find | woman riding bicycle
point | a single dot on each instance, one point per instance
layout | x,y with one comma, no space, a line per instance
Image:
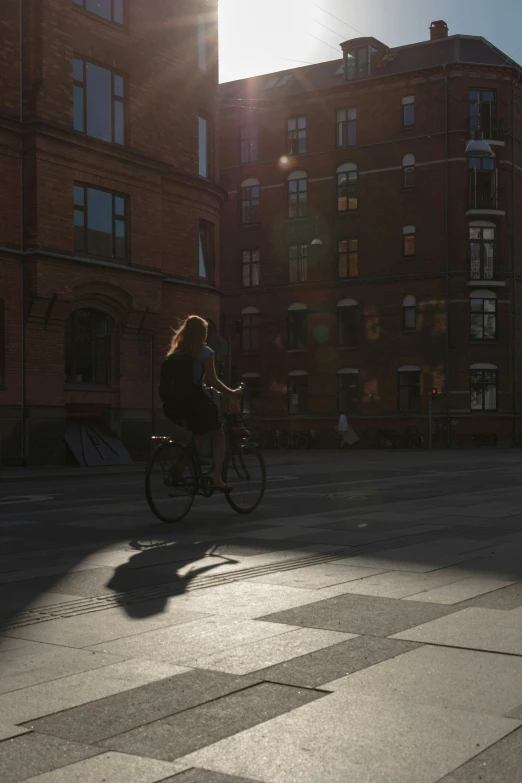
185,400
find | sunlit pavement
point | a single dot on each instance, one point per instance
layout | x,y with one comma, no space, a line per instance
363,625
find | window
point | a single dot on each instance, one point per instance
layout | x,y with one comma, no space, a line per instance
483,387
408,111
483,191
297,194
409,390
298,263
348,257
249,138
100,222
205,249
409,313
203,147
252,393
483,113
296,137
482,251
250,268
347,323
249,201
408,172
98,102
408,241
250,330
2,344
359,62
347,187
297,327
278,81
346,127
202,43
483,315
112,10
87,347
347,390
297,386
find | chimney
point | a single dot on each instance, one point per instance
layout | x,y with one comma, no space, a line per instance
438,30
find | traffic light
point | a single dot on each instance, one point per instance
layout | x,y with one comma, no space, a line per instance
434,393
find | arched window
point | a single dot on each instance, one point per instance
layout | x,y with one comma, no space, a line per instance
87,347
250,330
409,392
297,194
348,323
483,315
249,190
297,387
408,241
409,312
408,172
347,389
297,326
347,187
252,393
482,250
483,381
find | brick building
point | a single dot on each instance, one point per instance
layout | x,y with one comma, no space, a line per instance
109,211
415,284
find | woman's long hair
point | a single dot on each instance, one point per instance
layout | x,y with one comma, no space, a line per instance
190,338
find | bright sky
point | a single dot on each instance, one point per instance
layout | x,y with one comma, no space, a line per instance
260,36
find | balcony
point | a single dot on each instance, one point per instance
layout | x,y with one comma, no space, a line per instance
492,128
485,200
488,270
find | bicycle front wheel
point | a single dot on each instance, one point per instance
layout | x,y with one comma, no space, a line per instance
301,441
171,481
284,441
245,470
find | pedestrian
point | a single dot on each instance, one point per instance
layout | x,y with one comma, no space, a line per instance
348,436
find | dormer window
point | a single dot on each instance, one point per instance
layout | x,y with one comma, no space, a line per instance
361,56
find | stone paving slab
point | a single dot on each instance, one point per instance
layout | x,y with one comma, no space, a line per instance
206,776
478,629
33,754
198,640
9,730
98,720
399,584
500,763
250,658
27,666
460,591
416,743
195,728
458,679
507,598
38,700
110,767
314,669
86,630
317,576
25,599
420,558
360,614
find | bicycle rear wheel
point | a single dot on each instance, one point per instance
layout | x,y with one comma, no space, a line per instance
171,481
245,470
301,441
284,441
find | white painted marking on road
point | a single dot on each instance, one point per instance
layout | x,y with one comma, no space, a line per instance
25,499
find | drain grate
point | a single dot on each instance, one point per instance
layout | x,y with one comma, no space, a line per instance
82,606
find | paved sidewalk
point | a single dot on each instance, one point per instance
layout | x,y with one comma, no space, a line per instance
379,643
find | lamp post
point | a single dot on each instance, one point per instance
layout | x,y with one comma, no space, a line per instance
477,147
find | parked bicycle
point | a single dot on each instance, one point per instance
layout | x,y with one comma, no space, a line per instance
291,440
413,438
175,475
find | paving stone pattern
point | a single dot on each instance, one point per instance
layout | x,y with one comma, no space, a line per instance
369,632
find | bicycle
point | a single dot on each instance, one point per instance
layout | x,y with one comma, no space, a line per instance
174,476
294,440
413,438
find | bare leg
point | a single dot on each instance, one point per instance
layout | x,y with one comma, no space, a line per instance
218,441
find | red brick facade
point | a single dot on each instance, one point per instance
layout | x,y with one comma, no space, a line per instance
44,278
439,77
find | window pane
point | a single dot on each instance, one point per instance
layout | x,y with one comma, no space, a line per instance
476,331
99,102
490,305
352,134
77,70
79,195
78,118
490,398
341,115
409,317
292,124
202,44
301,122
99,227
118,85
409,245
476,305
79,230
255,273
119,205
119,243
203,252
408,113
118,11
99,7
490,326
203,157
488,233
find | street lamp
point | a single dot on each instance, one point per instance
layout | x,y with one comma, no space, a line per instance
477,147
316,242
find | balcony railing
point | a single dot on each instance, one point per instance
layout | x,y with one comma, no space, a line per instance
486,269
489,198
493,128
